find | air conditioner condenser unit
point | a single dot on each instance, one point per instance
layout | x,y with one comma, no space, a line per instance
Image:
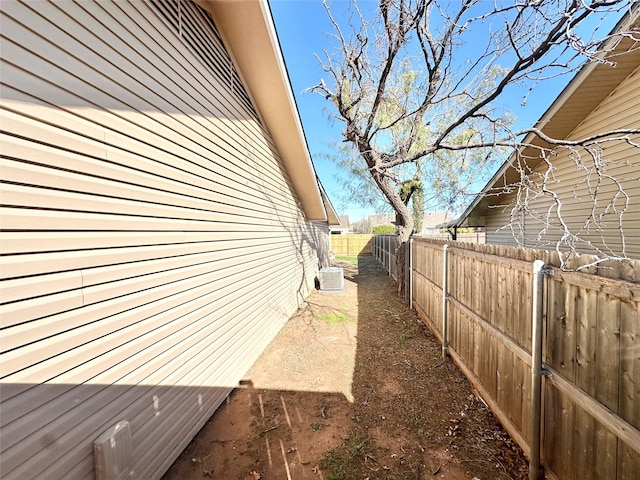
331,279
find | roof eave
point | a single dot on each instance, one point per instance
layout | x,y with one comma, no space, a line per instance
568,92
249,32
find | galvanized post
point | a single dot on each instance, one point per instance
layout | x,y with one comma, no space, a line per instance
445,289
376,248
411,273
536,367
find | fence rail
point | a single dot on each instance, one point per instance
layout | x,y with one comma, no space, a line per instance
591,348
473,237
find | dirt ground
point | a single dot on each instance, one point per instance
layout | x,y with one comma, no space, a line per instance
353,388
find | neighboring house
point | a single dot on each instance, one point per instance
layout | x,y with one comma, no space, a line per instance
599,98
342,228
382,219
431,222
161,221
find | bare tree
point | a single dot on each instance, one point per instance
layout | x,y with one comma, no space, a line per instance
362,226
418,85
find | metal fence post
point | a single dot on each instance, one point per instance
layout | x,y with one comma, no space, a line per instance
536,366
445,289
375,247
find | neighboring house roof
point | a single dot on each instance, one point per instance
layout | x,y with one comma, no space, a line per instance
433,220
249,33
588,88
386,219
343,227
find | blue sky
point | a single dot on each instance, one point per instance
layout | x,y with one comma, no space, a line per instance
303,29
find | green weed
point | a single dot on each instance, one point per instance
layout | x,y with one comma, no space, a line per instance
334,318
343,462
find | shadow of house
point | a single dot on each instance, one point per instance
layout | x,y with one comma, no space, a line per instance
591,199
143,270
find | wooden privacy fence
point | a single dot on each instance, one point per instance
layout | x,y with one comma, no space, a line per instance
590,393
351,244
475,237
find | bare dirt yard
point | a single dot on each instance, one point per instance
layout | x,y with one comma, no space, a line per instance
353,388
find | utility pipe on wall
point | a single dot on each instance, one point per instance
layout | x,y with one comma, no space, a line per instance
445,289
536,367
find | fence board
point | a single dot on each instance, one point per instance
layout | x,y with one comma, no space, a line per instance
511,303
522,399
524,309
608,350
504,279
629,459
352,245
629,462
630,363
560,329
585,444
504,383
469,339
557,450
586,304
606,453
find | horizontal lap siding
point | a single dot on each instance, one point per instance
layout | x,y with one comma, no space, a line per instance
152,244
618,111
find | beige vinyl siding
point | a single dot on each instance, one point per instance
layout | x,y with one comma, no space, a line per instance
498,231
619,110
152,242
320,236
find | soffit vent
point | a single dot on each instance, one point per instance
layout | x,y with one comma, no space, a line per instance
331,279
112,453
195,27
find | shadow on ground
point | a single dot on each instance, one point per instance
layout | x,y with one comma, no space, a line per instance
353,387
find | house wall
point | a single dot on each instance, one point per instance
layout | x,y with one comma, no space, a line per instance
321,237
619,110
152,244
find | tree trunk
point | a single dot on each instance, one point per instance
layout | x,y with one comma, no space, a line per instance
404,233
404,224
